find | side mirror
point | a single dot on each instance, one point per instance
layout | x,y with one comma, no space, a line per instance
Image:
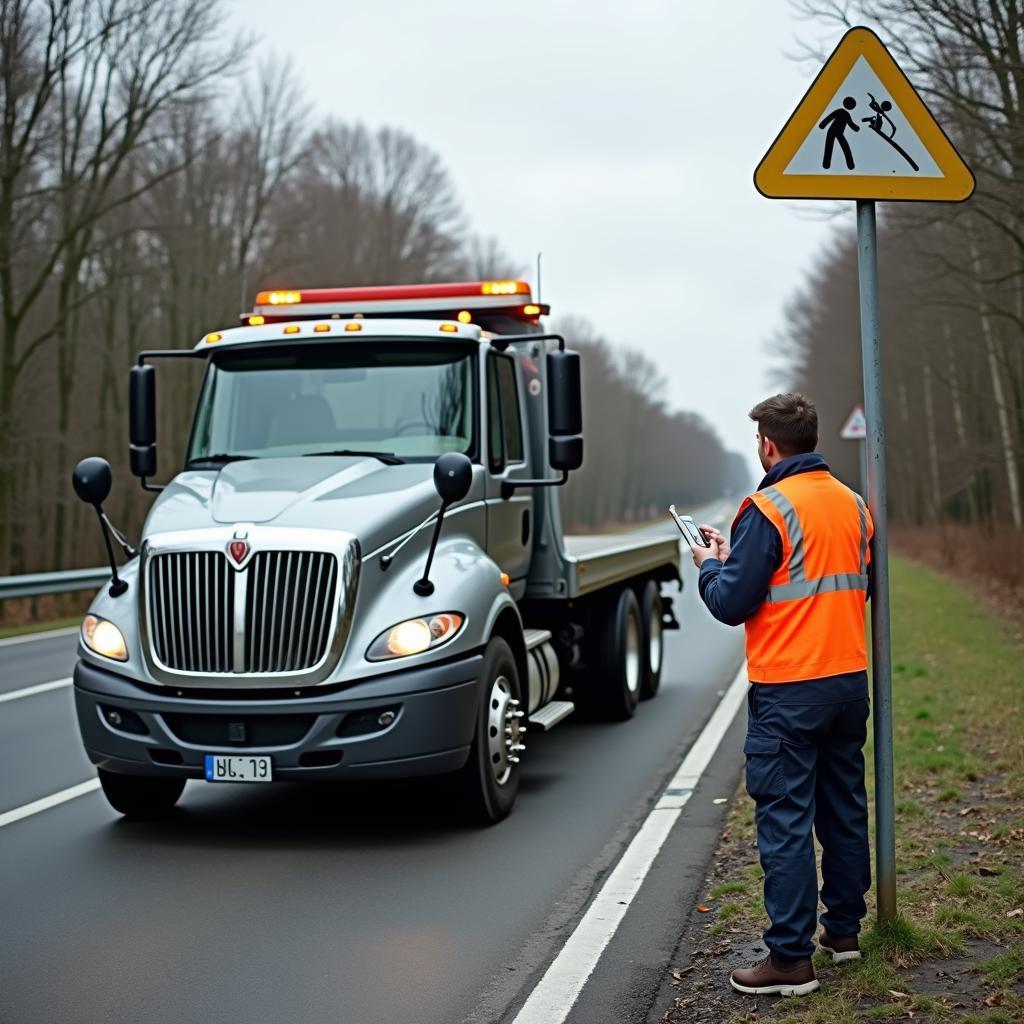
453,477
565,394
142,420
565,453
92,480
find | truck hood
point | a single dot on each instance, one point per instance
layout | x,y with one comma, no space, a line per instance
359,495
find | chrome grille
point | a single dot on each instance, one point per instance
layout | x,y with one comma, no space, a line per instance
289,610
191,610
288,600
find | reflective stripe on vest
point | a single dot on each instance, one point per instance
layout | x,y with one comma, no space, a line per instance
799,586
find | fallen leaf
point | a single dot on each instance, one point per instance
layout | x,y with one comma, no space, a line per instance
720,800
996,999
1015,913
703,909
968,810
986,871
898,995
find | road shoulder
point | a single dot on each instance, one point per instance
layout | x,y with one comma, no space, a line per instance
626,982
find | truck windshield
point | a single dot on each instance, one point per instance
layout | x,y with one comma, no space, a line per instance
413,401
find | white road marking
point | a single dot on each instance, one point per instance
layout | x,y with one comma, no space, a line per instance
555,994
30,691
27,810
46,634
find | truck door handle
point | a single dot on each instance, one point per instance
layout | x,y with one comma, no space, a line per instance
526,526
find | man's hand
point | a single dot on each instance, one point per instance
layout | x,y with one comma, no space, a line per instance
714,535
701,554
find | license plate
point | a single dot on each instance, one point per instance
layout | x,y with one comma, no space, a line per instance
226,768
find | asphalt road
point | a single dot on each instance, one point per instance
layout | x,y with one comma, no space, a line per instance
330,903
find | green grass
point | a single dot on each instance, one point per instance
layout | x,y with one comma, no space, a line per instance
728,889
1006,970
39,627
960,886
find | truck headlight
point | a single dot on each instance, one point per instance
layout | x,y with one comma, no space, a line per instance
414,636
104,638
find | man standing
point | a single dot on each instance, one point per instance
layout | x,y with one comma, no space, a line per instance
797,576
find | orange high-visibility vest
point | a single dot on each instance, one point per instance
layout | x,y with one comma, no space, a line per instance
811,623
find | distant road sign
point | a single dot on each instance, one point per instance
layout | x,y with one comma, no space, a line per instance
856,426
863,132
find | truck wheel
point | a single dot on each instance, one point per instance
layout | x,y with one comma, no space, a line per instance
650,615
137,796
490,776
620,659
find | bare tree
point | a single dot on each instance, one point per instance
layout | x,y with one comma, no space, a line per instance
83,85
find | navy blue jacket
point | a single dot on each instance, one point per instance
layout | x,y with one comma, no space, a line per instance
735,589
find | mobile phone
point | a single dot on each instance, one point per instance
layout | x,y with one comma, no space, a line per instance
689,529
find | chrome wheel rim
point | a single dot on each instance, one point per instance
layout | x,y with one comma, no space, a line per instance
504,731
654,645
633,647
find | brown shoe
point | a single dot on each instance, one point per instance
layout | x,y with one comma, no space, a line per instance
768,976
842,947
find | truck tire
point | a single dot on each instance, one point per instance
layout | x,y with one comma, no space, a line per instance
619,657
653,641
490,776
136,796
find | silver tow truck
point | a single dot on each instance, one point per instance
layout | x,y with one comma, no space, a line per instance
360,570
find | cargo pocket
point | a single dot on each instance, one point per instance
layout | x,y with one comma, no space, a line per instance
764,767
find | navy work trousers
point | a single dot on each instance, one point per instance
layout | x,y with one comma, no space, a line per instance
805,770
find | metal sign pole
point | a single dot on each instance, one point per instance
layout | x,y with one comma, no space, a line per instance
881,646
862,459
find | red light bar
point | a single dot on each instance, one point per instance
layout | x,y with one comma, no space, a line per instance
487,303
383,293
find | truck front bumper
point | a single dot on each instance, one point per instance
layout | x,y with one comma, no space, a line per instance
343,735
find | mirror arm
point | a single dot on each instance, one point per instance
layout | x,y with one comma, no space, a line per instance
423,586
508,487
502,342
387,559
122,541
117,585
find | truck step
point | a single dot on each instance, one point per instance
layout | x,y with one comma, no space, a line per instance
552,713
536,637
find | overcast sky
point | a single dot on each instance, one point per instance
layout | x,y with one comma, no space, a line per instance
617,138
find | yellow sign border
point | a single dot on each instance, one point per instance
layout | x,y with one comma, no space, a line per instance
956,183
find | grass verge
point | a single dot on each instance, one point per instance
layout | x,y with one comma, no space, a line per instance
956,952
40,627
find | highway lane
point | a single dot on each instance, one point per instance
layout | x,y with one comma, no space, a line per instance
369,903
26,660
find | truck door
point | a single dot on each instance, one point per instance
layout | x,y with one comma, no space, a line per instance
509,522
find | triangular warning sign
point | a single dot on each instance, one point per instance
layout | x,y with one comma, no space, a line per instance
856,426
862,132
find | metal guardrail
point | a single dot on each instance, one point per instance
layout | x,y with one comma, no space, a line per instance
35,584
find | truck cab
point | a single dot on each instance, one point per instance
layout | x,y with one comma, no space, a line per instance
360,570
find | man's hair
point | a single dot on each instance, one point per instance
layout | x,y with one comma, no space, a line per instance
790,420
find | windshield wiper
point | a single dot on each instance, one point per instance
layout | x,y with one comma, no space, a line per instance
220,459
388,458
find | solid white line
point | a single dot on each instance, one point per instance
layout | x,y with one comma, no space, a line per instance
31,690
27,810
44,634
555,994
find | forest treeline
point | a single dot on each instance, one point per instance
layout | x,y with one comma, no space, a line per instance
641,456
153,175
952,281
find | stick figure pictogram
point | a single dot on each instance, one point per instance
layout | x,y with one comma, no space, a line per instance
837,122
